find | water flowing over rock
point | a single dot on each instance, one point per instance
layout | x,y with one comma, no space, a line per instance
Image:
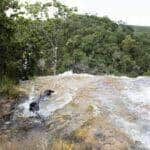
104,112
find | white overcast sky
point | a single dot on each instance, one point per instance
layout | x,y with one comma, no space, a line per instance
135,12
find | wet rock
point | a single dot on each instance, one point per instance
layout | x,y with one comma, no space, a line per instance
48,92
99,135
101,112
34,106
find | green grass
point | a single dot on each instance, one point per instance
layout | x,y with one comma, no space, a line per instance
7,87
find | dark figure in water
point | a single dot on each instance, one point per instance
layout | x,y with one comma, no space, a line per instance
48,93
34,106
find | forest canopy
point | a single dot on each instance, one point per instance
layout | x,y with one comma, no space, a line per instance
46,45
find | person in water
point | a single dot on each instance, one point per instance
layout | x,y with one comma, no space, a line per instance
34,106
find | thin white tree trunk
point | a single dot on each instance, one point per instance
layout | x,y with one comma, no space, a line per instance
55,60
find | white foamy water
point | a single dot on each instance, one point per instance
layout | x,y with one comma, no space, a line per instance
66,86
123,98
24,107
139,131
120,97
49,105
138,95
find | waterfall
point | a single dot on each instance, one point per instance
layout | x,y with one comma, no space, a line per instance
126,100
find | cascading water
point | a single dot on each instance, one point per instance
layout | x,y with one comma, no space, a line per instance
137,102
125,100
64,93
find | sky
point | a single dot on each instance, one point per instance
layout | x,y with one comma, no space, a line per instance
133,12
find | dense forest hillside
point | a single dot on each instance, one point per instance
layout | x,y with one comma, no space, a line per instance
83,43
144,33
141,29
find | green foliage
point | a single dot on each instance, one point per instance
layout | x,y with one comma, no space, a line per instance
7,87
8,55
147,73
107,47
42,45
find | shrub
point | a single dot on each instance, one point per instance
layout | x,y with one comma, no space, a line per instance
7,87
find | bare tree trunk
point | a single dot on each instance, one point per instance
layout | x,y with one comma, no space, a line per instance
55,60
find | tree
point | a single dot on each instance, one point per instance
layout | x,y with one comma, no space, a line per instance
8,55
